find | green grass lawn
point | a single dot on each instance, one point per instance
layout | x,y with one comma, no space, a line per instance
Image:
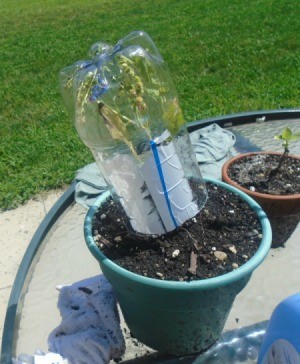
225,56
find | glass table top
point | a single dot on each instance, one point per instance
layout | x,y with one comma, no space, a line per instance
63,258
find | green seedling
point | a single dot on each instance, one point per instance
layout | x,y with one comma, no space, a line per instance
286,137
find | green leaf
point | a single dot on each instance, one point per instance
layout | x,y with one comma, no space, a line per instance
295,137
278,137
287,134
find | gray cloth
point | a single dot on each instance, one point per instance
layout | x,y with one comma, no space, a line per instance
90,184
212,145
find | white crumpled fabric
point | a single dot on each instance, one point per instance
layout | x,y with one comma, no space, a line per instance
90,328
39,357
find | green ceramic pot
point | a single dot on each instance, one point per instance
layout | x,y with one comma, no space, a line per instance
178,318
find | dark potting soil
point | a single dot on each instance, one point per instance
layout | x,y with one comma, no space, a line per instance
223,236
253,172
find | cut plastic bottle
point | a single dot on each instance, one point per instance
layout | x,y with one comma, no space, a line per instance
126,110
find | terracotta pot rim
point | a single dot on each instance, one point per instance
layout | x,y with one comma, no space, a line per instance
227,179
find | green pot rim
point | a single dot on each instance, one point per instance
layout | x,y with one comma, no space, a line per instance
209,283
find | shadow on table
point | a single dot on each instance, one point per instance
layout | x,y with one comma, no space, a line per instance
282,228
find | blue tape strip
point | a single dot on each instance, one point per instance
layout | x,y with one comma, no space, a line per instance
162,179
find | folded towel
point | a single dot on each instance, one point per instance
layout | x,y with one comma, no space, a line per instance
90,328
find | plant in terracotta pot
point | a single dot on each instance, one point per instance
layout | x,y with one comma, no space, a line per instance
177,249
273,180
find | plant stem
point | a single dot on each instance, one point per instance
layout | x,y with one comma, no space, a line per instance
274,171
116,126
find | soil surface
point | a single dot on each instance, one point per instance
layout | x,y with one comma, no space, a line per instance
253,173
223,236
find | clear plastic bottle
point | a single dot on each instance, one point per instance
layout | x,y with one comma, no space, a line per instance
126,110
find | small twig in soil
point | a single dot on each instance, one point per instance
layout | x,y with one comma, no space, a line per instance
227,229
193,263
102,240
195,242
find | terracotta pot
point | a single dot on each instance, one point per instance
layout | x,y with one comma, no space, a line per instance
273,205
283,211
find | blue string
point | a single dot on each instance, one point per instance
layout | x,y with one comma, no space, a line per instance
162,179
